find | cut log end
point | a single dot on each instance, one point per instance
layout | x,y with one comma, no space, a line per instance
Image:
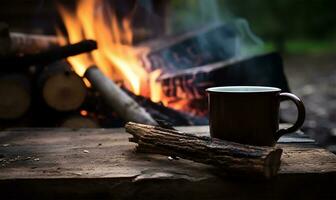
15,96
62,89
272,163
64,92
77,122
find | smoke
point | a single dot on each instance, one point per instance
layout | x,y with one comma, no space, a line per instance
250,44
199,13
209,11
192,15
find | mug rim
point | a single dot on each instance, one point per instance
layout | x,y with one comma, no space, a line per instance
242,89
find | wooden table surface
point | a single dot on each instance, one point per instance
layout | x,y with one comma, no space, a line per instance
100,163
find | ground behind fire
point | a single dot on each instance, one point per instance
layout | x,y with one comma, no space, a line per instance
313,78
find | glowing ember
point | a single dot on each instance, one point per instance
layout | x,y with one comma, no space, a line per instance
84,113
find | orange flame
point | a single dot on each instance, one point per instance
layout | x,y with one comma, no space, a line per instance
116,56
155,87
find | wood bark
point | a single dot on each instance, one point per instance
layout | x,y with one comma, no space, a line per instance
50,55
117,99
61,88
31,43
233,157
15,96
24,43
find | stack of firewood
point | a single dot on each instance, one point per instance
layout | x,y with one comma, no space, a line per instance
37,85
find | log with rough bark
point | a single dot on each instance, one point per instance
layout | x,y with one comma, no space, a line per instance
31,43
15,96
48,56
117,99
61,88
233,157
24,43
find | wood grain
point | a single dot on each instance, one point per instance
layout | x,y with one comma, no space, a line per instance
52,163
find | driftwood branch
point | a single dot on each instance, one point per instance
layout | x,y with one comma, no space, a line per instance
233,157
117,99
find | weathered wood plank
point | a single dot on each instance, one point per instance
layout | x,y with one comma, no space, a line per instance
63,163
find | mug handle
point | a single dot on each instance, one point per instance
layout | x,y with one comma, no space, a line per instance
300,118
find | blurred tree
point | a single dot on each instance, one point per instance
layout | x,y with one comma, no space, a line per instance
281,20
277,21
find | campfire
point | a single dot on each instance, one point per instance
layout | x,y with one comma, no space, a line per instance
119,59
116,55
167,99
101,70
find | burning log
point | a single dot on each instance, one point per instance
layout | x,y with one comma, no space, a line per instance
15,96
62,89
208,45
118,100
166,114
266,70
230,156
50,55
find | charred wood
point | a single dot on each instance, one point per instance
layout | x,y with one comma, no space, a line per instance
261,70
162,113
100,111
208,45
